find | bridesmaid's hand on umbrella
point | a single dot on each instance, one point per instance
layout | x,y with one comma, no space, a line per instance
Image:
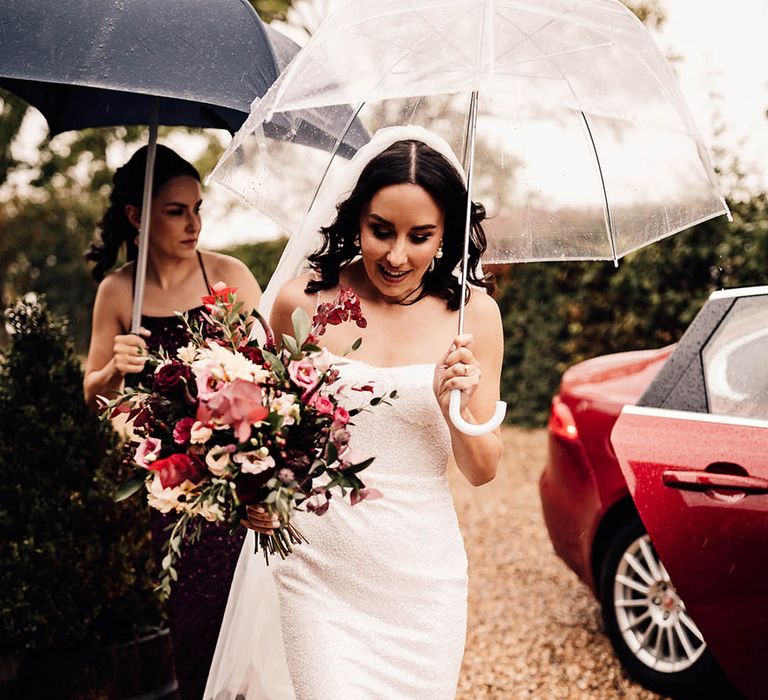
130,352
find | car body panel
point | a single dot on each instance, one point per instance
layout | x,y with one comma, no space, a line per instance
712,541
582,480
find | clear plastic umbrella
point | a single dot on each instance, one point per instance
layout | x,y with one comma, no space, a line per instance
568,119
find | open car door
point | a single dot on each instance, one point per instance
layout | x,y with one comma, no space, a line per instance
694,452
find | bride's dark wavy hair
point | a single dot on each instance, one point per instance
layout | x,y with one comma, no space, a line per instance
115,229
416,163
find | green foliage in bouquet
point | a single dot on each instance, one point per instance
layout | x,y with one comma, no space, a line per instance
73,564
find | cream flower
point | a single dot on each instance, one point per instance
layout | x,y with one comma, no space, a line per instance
255,461
323,360
187,354
200,433
212,512
225,365
167,500
217,460
285,405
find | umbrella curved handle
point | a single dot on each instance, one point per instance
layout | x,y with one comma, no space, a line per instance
454,411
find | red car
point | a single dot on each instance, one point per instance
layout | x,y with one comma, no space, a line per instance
656,494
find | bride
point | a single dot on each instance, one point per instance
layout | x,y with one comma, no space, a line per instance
375,605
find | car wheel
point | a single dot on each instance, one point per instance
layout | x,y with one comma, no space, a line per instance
652,634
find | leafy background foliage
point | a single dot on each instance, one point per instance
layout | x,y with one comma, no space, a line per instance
75,568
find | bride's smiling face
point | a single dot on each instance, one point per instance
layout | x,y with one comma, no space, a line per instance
400,232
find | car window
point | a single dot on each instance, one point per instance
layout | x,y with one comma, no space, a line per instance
735,361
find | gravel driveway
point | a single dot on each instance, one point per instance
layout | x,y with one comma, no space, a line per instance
534,629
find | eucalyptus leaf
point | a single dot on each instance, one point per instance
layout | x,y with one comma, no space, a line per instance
275,362
302,325
356,468
130,487
356,345
289,342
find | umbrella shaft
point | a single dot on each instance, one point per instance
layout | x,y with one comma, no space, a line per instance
470,141
146,208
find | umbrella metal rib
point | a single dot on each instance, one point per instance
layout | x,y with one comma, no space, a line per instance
608,219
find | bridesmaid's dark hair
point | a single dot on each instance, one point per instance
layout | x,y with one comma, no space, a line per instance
416,163
127,188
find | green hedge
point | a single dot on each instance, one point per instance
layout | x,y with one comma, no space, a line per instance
74,566
556,314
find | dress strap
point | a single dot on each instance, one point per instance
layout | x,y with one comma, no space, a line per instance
202,267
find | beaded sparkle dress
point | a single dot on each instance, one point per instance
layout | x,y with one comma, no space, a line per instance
375,605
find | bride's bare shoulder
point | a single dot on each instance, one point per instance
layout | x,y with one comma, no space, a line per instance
292,295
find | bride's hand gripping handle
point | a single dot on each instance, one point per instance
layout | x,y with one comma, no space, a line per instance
456,379
259,520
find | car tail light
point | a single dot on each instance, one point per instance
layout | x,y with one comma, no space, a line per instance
561,420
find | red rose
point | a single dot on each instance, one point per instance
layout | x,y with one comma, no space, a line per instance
177,469
253,354
173,378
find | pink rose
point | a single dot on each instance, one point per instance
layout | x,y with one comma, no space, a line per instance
239,404
340,417
304,374
182,430
147,452
178,468
207,384
322,404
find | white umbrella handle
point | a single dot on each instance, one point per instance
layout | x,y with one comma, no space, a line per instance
454,406
454,411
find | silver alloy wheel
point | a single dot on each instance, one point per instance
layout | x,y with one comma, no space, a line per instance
651,616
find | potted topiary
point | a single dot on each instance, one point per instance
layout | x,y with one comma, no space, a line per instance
80,619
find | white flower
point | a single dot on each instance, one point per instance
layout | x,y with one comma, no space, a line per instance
200,433
225,365
255,461
285,405
187,354
217,460
323,360
166,500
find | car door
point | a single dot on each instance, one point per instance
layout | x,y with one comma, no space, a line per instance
695,457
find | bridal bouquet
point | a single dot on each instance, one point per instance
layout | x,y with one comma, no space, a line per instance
230,421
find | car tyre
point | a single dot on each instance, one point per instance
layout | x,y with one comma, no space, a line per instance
635,621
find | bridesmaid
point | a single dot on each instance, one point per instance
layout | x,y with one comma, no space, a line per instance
178,275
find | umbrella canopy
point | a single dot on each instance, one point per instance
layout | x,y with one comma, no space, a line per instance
585,148
568,119
85,64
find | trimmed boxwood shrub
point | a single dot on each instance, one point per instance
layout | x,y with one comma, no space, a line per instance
74,565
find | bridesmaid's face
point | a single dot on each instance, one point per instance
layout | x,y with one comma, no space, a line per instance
175,223
400,232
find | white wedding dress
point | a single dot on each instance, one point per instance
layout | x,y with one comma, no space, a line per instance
375,606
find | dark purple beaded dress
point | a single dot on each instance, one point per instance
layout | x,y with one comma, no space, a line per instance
199,597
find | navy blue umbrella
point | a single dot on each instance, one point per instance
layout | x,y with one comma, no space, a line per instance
175,62
84,63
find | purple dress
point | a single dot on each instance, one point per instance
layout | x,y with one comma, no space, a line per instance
199,597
